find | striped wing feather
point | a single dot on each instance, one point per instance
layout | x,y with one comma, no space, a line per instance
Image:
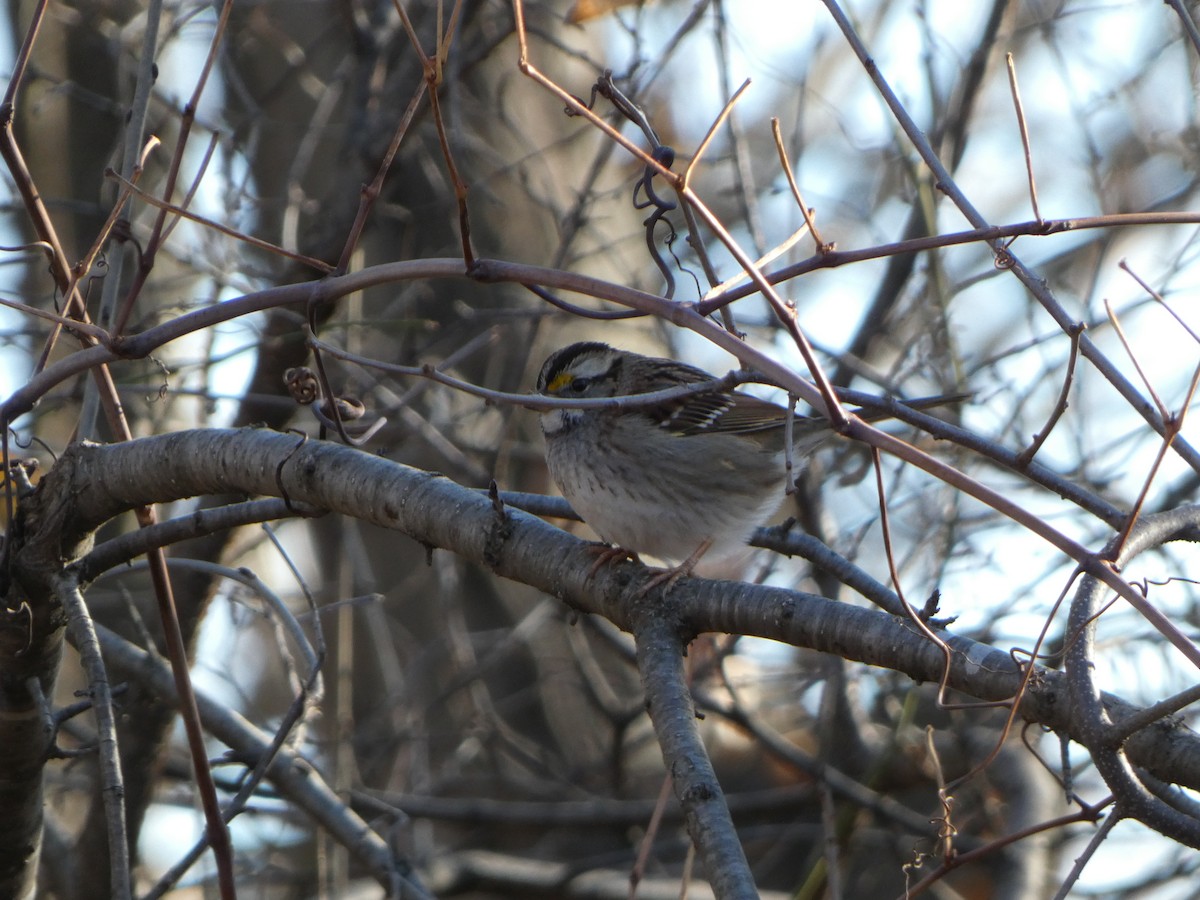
726,412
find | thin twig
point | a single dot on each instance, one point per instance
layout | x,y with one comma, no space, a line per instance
537,402
1172,425
745,190
129,187
1146,717
771,255
1081,861
432,68
83,634
186,121
1115,321
889,555
581,311
1086,814
1124,266
17,77
786,165
311,262
1020,110
1060,405
726,111
1037,286
197,180
460,186
646,844
371,192
991,234
1189,24
94,332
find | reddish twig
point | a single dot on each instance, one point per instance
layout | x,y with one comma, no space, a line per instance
432,67
786,165
187,119
370,192
1020,110
823,396
1085,814
1060,405
181,212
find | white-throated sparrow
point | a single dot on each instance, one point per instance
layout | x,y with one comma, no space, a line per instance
686,478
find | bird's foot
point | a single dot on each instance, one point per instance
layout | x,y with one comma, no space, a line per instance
668,577
607,554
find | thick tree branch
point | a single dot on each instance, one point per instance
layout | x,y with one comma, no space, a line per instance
1095,726
660,661
102,481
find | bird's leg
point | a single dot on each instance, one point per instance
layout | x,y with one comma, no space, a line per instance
668,577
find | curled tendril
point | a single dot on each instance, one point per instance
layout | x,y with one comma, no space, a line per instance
1004,259
302,384
343,415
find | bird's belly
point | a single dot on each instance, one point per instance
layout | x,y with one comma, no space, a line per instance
651,504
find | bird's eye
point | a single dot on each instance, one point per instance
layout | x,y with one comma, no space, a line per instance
579,385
